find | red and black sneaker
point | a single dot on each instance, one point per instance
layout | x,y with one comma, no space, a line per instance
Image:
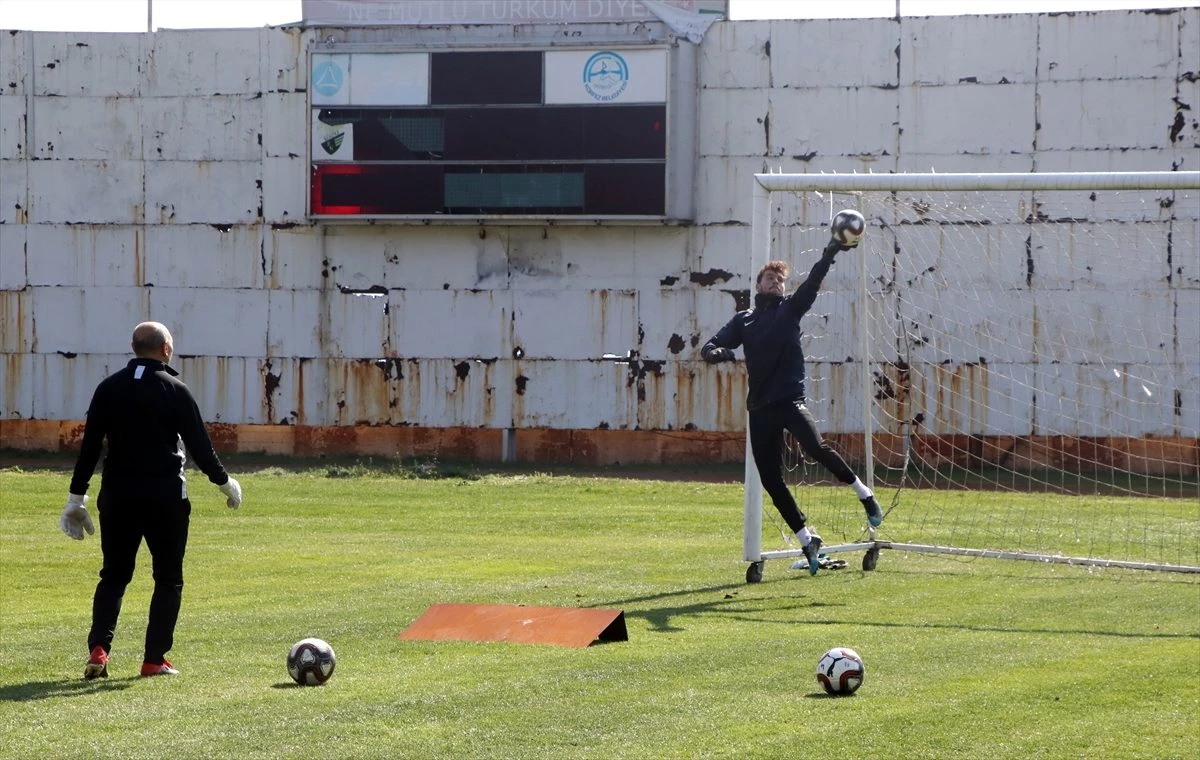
158,669
97,664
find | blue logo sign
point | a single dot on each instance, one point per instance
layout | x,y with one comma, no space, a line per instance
327,78
605,76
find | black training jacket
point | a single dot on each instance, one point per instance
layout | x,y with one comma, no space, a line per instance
770,334
148,416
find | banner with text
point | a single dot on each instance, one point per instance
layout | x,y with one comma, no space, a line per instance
440,12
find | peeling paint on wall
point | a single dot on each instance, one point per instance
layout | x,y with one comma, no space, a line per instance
184,201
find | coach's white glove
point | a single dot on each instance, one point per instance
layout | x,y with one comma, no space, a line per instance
233,493
75,518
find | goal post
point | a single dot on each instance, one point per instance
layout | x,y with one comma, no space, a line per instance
997,336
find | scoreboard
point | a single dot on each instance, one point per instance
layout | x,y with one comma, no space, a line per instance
560,133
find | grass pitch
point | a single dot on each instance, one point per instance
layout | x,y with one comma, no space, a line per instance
965,658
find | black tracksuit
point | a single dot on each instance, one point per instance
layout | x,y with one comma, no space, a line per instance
147,416
770,336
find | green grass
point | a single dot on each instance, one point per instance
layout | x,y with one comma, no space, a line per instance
965,658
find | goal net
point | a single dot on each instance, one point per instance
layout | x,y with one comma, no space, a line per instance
994,339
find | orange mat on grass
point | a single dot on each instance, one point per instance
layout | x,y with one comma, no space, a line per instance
517,623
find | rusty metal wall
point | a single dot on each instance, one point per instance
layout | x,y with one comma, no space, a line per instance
164,176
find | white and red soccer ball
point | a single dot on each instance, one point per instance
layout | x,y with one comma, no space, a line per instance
840,671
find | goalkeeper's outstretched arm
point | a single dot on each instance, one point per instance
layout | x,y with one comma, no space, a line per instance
806,292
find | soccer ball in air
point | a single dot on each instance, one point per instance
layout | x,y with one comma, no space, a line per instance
310,662
848,227
840,671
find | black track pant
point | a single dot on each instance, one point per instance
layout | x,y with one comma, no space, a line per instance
766,441
123,525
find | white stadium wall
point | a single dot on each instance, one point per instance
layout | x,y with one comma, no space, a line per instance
165,176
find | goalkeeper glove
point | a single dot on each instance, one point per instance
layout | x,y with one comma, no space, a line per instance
718,355
834,247
75,518
233,493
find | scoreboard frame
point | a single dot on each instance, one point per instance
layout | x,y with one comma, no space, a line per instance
502,134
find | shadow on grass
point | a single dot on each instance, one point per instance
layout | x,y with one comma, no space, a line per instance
824,695
33,690
661,618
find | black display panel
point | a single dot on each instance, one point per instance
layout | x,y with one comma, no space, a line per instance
522,133
478,78
429,189
576,160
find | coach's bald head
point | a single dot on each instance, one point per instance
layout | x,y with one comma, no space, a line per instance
152,340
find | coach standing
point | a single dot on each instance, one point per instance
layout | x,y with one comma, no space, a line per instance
148,417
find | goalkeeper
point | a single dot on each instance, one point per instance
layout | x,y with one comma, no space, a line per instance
147,416
770,336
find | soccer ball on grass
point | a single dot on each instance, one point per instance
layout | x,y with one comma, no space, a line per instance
848,227
840,671
310,662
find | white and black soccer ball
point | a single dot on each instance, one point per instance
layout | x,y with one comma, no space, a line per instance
840,671
310,662
848,227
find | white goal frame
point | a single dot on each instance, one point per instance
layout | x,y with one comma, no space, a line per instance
761,236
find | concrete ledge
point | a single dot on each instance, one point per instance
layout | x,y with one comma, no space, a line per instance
1148,455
